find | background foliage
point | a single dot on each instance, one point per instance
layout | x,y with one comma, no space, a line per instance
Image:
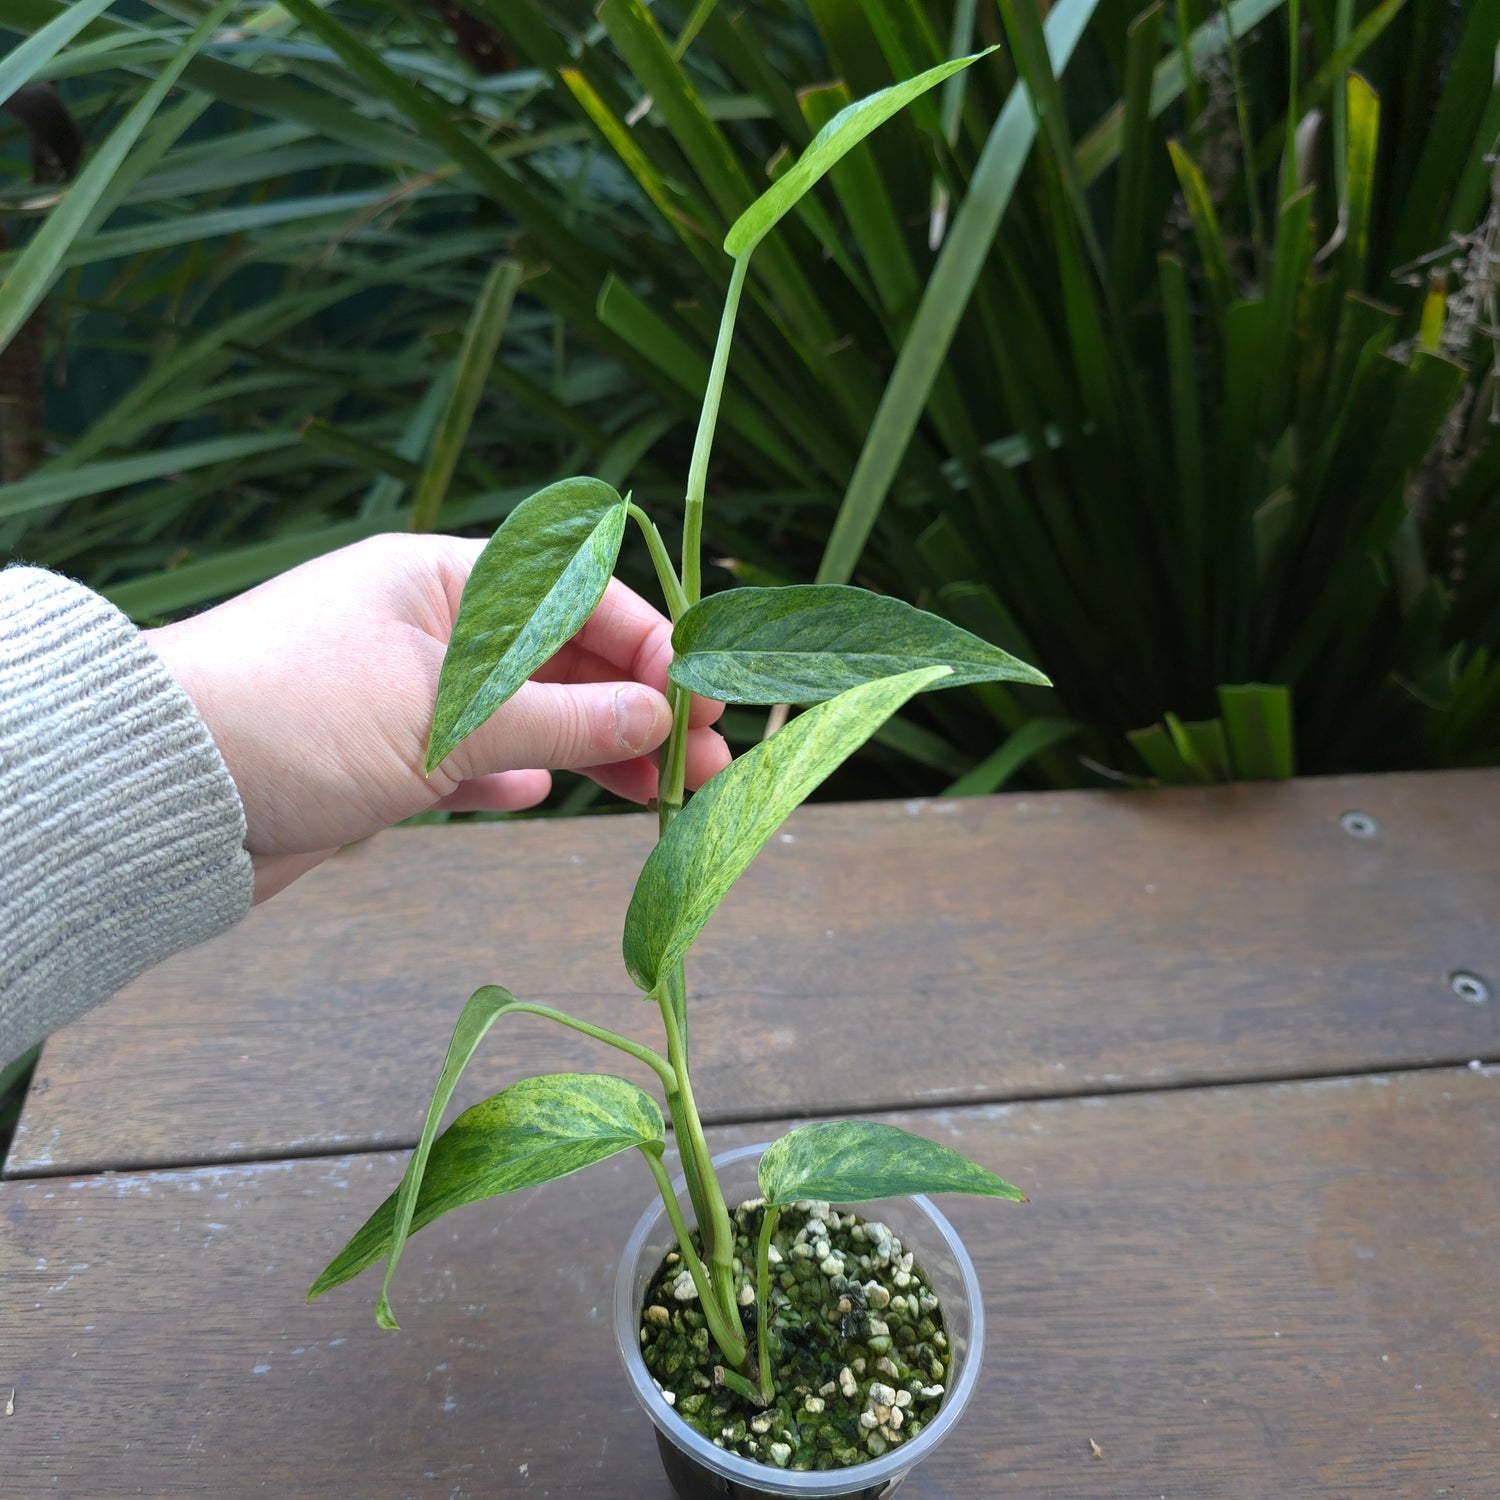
1159,350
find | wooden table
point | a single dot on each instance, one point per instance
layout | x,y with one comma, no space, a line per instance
1215,1035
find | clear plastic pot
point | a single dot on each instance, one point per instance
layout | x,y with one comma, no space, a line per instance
700,1471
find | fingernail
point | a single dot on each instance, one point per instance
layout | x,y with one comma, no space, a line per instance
635,713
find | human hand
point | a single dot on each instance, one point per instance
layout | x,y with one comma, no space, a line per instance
318,690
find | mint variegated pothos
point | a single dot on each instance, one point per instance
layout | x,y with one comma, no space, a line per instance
852,659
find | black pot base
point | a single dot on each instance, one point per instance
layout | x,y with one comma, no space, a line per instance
693,1481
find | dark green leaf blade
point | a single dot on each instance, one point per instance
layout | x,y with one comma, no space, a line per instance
857,1161
840,135
809,642
711,841
535,1131
530,592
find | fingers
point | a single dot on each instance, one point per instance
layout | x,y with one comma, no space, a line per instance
707,754
626,635
505,791
561,726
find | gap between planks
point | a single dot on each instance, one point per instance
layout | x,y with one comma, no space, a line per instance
898,1106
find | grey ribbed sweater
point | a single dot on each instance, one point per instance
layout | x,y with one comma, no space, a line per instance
121,832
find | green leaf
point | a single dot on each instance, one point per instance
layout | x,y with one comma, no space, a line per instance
1033,738
535,1131
713,839
1257,720
806,643
482,1009
29,280
22,63
843,132
530,592
481,342
967,247
856,1161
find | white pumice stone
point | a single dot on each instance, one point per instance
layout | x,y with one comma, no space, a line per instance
896,1418
829,1388
776,1258
876,1444
683,1289
902,1278
746,1295
903,1399
670,1397
882,1395
656,1313
813,1404
831,1265
877,1296
781,1454
847,1383
761,1424
887,1366
869,1421
822,1249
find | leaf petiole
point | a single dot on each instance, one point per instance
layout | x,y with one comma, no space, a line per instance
666,574
768,1222
731,1341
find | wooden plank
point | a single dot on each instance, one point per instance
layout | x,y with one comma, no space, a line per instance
1260,1291
1012,946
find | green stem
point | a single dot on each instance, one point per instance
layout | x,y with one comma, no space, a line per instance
718,1232
666,574
638,1050
763,1301
731,1340
692,529
671,781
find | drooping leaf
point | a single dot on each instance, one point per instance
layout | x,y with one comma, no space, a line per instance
482,1009
530,592
535,1131
857,1161
806,643
709,843
841,134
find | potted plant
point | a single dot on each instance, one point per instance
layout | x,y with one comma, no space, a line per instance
782,1343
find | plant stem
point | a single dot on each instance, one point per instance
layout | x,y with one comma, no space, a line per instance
638,1050
666,574
763,1300
718,1232
671,782
731,1340
692,527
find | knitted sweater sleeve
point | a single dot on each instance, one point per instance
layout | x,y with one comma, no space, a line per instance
121,832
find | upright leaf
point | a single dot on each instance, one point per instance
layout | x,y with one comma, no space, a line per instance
857,1161
530,592
843,132
481,342
810,642
535,1131
713,839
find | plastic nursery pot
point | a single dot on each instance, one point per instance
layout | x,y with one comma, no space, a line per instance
700,1471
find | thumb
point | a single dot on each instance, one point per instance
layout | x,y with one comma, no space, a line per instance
562,726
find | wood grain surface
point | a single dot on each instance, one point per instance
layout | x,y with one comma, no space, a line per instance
1250,1293
875,956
